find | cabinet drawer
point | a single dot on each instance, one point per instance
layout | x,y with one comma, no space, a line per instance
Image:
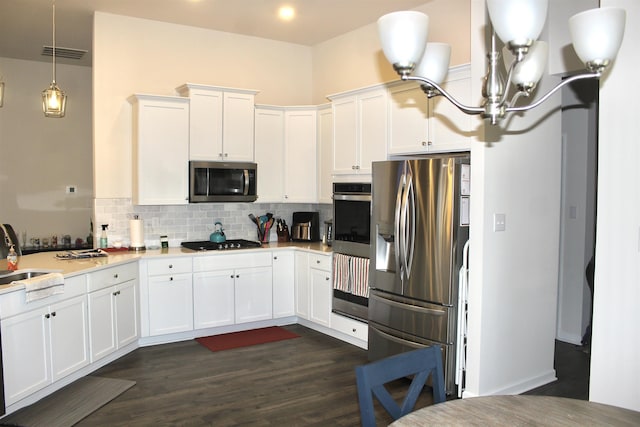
321,262
112,276
350,327
226,262
157,267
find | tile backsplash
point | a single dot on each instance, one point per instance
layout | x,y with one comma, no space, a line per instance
193,221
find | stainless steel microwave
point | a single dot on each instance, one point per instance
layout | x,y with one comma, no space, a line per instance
211,181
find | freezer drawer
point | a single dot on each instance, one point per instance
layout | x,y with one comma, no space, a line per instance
384,342
413,317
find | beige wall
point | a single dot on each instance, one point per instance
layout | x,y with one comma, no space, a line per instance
356,60
40,156
140,56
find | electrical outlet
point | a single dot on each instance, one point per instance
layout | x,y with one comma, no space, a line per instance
71,189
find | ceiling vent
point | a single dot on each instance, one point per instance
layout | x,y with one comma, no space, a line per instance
63,52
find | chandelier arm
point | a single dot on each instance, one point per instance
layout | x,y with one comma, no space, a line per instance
464,108
517,96
594,75
507,86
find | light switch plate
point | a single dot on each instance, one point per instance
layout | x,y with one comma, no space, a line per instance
499,222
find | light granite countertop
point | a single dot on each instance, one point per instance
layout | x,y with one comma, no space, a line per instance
48,261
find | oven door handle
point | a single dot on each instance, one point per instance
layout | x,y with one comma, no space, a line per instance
353,197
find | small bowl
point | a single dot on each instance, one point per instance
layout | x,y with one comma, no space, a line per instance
117,244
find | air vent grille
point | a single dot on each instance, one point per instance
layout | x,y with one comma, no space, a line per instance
63,52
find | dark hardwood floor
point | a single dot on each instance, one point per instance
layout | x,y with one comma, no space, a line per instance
307,381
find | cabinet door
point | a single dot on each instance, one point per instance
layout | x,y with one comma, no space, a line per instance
345,135
301,156
372,129
161,151
102,324
270,154
69,337
25,354
302,284
170,304
321,294
205,125
408,120
253,294
213,298
325,150
237,126
450,128
126,316
283,284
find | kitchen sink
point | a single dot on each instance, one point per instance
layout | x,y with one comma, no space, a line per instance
6,276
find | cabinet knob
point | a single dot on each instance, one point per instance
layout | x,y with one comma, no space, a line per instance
53,314
275,257
424,143
232,276
317,261
171,279
354,330
46,316
226,154
237,275
115,276
430,143
115,294
170,265
326,278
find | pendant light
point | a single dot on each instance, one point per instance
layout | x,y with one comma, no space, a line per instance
54,100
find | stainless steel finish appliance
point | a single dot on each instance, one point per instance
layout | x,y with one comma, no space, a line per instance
351,218
419,227
208,245
328,232
351,230
306,227
211,181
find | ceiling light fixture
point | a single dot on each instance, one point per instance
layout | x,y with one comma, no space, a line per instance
54,100
596,35
286,13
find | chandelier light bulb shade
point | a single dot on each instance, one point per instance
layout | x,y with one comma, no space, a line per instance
54,101
597,34
403,36
434,64
528,72
518,21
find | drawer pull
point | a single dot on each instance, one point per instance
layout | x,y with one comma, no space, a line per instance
354,330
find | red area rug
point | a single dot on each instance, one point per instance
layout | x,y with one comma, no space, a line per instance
246,338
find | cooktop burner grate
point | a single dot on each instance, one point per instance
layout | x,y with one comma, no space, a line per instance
206,245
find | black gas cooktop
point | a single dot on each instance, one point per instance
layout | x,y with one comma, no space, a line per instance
206,245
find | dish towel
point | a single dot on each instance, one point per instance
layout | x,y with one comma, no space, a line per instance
42,286
341,280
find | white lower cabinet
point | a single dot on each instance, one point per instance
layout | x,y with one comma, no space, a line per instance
170,294
283,284
231,289
314,289
113,309
351,327
43,345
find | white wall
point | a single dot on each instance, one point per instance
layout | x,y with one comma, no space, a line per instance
356,60
140,56
513,274
40,156
615,350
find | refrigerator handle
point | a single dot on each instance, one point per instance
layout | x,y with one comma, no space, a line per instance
411,224
397,244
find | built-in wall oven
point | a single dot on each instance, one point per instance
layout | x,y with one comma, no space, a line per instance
351,247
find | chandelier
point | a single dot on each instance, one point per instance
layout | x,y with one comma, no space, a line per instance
54,100
596,35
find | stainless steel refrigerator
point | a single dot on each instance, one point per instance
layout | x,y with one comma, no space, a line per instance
419,228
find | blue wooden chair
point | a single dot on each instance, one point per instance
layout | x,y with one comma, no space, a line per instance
371,380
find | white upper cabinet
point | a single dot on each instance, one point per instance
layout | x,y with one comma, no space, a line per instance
286,154
360,130
421,125
325,154
221,122
160,150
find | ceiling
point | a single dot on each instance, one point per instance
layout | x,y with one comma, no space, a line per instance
26,25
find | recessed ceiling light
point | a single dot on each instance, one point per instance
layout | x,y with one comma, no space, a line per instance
286,13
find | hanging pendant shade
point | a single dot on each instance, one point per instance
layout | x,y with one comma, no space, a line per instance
54,100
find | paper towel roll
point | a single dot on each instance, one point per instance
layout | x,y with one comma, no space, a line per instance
136,227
